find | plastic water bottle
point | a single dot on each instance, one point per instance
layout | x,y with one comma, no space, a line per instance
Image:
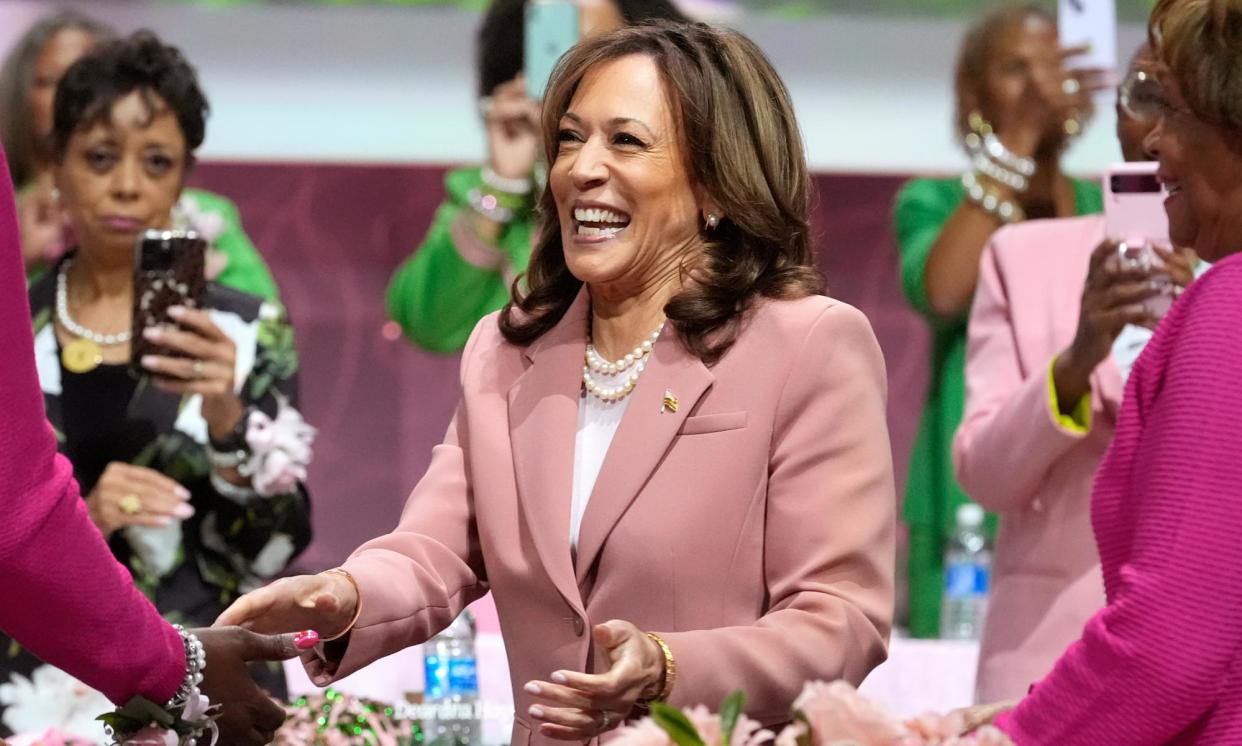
452,686
967,577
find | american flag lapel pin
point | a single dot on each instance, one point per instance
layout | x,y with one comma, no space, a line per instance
670,402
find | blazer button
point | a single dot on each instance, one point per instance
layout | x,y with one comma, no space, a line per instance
579,626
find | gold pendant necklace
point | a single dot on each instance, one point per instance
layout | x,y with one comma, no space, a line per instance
81,356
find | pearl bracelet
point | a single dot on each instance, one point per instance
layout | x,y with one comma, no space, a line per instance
489,206
195,664
1005,210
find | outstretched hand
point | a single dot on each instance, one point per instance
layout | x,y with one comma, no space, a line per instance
248,715
580,706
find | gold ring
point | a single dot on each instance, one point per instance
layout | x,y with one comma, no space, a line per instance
130,504
198,369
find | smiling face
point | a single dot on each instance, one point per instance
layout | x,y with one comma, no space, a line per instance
627,208
1203,175
122,175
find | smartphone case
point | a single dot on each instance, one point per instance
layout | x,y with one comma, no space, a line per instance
168,271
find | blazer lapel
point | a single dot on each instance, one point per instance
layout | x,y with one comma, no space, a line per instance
543,422
646,431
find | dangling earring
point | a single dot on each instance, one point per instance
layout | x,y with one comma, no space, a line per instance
713,220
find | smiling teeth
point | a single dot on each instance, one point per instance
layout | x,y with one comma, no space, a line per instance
586,230
596,215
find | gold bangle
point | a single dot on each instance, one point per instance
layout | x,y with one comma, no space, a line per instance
670,668
357,608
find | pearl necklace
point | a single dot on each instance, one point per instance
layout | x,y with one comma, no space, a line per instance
595,363
73,327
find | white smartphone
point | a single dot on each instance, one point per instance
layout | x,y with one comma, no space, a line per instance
1093,23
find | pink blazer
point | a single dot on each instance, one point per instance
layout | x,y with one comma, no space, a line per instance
752,528
1014,458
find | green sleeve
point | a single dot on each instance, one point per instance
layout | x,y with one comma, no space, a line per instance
245,270
923,207
436,295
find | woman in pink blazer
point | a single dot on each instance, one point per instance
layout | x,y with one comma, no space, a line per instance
1034,434
740,532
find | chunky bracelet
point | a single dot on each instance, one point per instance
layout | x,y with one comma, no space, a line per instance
1004,210
195,664
518,187
1005,157
999,173
670,668
357,609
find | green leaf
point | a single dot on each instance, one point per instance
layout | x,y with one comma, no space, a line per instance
730,711
676,724
147,712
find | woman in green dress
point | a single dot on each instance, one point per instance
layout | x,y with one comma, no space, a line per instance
481,237
1018,108
28,80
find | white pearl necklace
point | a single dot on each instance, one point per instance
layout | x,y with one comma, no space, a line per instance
74,328
636,360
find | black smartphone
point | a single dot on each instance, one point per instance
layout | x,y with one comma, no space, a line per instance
168,271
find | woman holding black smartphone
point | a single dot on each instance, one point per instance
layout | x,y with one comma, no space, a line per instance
193,469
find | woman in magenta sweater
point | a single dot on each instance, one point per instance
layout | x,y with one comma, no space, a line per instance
1162,662
63,596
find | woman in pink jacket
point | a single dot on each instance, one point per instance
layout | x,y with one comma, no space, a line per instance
63,596
1042,393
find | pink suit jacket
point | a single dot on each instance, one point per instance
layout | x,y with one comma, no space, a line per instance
752,527
1014,458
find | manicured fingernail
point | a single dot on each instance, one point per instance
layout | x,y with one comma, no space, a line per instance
152,333
322,680
535,711
148,361
182,492
176,311
306,640
183,511
163,522
532,688
559,677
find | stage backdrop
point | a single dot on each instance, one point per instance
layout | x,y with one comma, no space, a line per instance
333,234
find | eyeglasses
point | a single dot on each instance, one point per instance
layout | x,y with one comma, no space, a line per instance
1141,97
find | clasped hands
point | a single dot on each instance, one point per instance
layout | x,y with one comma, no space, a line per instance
570,705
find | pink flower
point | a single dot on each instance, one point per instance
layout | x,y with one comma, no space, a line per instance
52,737
152,735
281,450
643,733
838,714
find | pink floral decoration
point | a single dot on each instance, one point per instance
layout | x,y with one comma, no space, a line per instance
52,737
837,713
152,735
746,732
281,450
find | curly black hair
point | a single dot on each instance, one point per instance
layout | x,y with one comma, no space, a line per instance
503,32
112,71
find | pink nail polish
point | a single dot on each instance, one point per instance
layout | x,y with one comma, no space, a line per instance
532,688
151,333
306,640
184,511
559,677
536,711
176,311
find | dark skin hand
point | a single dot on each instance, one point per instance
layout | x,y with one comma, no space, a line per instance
248,715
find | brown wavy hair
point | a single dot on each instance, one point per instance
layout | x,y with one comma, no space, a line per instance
1200,41
743,148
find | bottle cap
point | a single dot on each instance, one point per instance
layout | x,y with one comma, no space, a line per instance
969,515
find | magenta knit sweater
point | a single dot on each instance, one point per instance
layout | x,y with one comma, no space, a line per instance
62,594
1162,662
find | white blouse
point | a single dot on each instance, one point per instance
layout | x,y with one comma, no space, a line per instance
597,424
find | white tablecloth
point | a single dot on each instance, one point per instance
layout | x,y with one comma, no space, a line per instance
919,675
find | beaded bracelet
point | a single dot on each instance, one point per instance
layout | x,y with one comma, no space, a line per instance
195,664
1004,210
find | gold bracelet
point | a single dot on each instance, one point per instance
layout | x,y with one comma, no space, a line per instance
357,608
670,668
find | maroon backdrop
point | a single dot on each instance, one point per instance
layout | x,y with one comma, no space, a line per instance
333,234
